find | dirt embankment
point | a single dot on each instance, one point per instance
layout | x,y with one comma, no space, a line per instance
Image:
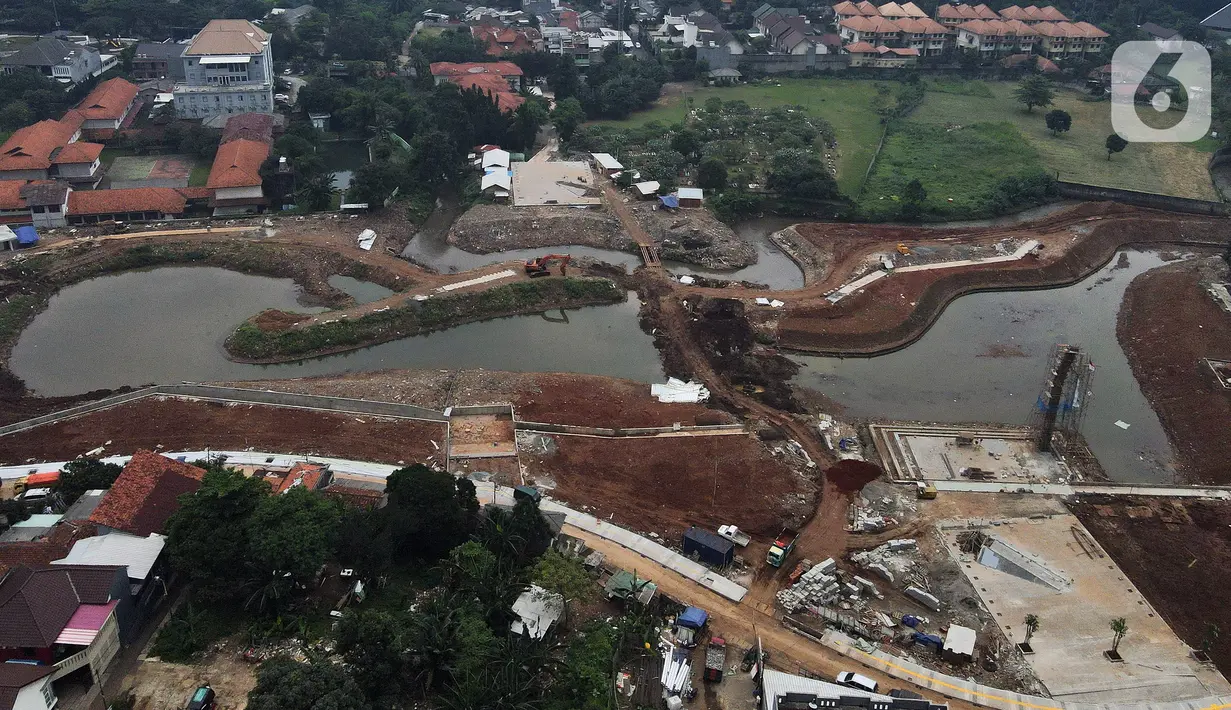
1175,551
811,259
171,425
490,228
1168,324
895,311
554,398
694,236
260,340
666,485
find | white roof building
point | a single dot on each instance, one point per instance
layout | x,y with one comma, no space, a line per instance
496,158
537,610
646,188
500,179
690,193
138,554
960,641
607,161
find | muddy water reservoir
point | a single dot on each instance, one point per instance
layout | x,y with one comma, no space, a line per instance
168,325
986,358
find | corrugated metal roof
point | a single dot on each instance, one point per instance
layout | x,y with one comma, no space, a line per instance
118,548
960,640
85,624
778,684
607,161
538,609
690,193
39,521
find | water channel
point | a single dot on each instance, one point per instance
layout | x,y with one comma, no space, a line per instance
773,267
343,159
168,325
986,358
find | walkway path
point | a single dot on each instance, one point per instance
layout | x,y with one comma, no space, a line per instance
649,252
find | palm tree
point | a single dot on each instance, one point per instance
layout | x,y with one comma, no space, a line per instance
1032,625
1119,627
316,191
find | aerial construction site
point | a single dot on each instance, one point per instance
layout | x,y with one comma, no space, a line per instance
996,524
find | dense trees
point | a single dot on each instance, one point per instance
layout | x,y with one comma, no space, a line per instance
283,684
620,85
84,474
567,116
799,174
712,174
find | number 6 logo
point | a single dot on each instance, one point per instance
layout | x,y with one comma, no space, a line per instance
1130,66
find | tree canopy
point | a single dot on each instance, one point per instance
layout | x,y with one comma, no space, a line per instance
1058,121
283,684
84,474
1034,90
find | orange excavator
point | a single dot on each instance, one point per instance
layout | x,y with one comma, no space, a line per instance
539,266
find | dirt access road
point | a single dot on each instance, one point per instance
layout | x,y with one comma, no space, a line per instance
741,624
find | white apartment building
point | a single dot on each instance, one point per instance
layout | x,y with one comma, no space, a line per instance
228,69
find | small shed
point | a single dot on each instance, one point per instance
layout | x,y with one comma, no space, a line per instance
724,76
646,190
496,158
690,196
320,121
537,611
8,239
959,644
607,163
498,184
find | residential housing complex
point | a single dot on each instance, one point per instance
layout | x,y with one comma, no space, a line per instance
64,61
228,69
499,80
978,28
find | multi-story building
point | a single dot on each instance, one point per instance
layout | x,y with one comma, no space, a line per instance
228,69
1060,40
996,37
105,109
48,150
159,60
846,10
953,15
894,11
1032,14
63,61
864,54
873,30
924,34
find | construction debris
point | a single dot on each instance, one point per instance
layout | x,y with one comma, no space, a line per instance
923,598
680,391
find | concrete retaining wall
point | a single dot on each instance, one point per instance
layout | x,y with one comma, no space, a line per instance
638,431
983,695
238,394
1080,191
480,409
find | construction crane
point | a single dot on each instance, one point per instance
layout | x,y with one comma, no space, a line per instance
539,266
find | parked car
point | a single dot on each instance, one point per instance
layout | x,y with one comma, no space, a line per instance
854,680
202,699
283,98
905,694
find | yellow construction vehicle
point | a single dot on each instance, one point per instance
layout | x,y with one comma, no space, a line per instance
924,490
903,250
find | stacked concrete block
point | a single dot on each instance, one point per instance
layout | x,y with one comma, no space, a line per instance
902,544
882,571
923,598
869,586
817,586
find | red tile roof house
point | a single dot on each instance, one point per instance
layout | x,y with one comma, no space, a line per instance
311,476
145,494
34,153
106,108
26,687
137,204
500,80
42,203
68,617
235,178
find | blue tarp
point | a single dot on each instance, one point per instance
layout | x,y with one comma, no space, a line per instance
669,201
692,618
26,235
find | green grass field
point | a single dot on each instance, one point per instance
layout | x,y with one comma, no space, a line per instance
199,175
1079,155
955,165
846,105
